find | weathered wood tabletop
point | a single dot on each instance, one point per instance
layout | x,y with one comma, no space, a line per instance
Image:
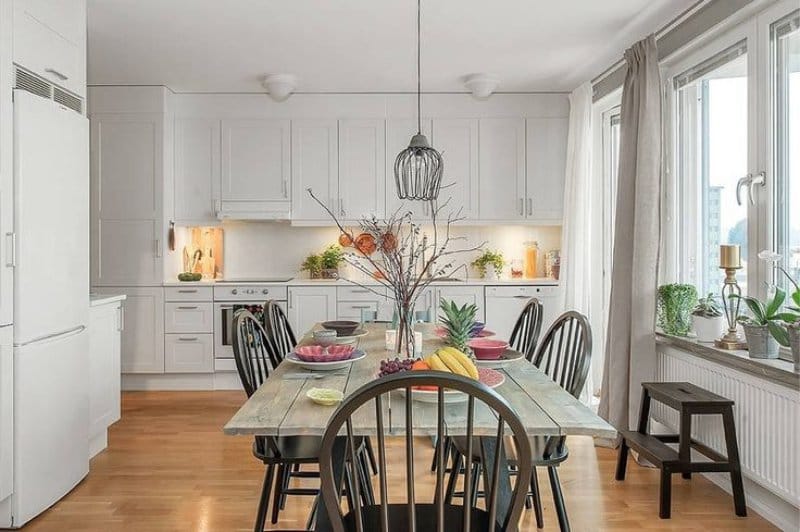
280,406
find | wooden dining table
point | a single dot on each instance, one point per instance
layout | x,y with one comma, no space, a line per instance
280,406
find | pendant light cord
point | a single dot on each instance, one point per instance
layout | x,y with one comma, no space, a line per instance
419,72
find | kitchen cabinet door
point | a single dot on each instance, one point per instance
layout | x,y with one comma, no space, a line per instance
142,328
6,195
315,166
457,141
398,134
105,324
362,163
309,305
546,166
256,162
502,169
127,183
189,353
461,295
6,411
197,170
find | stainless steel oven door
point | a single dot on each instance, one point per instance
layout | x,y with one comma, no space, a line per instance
223,324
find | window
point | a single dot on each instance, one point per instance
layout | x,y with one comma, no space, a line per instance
712,141
785,59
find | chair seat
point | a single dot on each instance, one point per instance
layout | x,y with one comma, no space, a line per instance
426,518
289,448
538,448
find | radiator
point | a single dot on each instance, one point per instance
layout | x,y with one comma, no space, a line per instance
767,419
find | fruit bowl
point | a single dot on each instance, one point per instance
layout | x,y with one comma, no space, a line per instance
487,349
342,327
477,328
318,353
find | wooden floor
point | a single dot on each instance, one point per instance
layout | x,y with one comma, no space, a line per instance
169,468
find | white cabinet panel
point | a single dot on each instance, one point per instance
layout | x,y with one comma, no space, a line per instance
309,305
504,304
143,328
457,141
189,317
315,162
189,293
105,323
546,166
126,199
398,134
502,169
256,161
362,163
6,411
197,169
462,295
6,209
189,353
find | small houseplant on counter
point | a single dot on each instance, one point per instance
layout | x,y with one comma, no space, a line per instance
675,304
490,264
707,320
399,256
792,317
764,327
324,265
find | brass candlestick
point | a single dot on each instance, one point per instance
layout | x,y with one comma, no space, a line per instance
731,340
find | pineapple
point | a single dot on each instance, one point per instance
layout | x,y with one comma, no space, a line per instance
458,322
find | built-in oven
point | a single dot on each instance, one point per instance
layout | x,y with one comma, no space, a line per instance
230,298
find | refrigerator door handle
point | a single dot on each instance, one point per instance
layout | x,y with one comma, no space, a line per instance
11,250
68,332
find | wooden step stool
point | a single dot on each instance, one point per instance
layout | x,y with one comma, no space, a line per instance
689,400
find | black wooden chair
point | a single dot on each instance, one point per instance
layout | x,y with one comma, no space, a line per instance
526,331
254,362
280,336
565,356
503,507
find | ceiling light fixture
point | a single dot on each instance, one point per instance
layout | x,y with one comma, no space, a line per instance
481,85
418,168
279,86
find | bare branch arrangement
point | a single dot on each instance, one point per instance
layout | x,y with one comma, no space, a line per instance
401,257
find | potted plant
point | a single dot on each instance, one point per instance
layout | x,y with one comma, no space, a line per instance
792,317
675,304
331,258
490,264
707,320
313,265
764,328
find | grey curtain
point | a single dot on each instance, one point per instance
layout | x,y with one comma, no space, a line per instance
630,344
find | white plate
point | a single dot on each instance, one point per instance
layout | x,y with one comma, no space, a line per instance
325,366
351,339
450,396
509,357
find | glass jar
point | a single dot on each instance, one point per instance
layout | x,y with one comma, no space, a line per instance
516,269
531,259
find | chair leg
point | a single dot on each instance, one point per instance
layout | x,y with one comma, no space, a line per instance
312,517
558,497
476,477
537,499
373,464
435,458
276,501
287,476
451,481
367,493
263,501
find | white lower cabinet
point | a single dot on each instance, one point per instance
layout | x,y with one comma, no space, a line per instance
105,344
189,317
462,295
189,353
6,410
309,305
504,303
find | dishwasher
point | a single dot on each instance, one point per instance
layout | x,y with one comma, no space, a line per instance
504,304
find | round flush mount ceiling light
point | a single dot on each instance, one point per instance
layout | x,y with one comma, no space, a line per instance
280,86
481,85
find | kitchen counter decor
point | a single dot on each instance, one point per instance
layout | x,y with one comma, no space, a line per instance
398,255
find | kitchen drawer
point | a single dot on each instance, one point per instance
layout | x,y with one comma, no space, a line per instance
188,293
189,353
188,317
522,291
357,293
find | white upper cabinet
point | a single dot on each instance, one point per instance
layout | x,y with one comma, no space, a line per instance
457,141
315,165
362,166
126,199
502,169
546,166
256,167
50,40
398,134
197,170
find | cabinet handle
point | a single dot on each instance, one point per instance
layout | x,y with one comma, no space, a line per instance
11,250
57,74
187,291
341,207
192,339
121,319
158,248
359,291
188,308
284,189
530,206
521,207
360,306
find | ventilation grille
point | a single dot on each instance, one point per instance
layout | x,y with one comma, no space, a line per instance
40,87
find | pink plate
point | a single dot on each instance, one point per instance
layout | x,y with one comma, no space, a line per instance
486,349
441,332
318,353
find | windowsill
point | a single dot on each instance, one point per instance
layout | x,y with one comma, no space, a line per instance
774,370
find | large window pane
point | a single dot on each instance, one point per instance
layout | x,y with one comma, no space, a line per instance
712,152
786,66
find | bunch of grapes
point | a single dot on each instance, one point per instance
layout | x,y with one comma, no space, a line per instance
388,367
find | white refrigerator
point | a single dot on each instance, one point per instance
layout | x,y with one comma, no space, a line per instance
51,304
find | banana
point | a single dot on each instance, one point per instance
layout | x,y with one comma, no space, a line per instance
436,363
452,362
464,360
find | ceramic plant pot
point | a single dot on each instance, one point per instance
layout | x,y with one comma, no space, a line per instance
760,342
794,341
708,329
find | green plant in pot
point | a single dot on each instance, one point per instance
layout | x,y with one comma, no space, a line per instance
675,305
313,265
707,319
490,264
791,317
765,327
331,258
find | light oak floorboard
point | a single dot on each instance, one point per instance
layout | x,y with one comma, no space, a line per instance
169,467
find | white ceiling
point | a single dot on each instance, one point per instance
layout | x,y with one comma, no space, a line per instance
363,45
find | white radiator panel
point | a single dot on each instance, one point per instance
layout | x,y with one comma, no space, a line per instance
767,419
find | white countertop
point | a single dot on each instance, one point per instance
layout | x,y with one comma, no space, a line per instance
96,300
342,282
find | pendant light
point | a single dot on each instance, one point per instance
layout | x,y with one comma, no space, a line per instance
418,168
